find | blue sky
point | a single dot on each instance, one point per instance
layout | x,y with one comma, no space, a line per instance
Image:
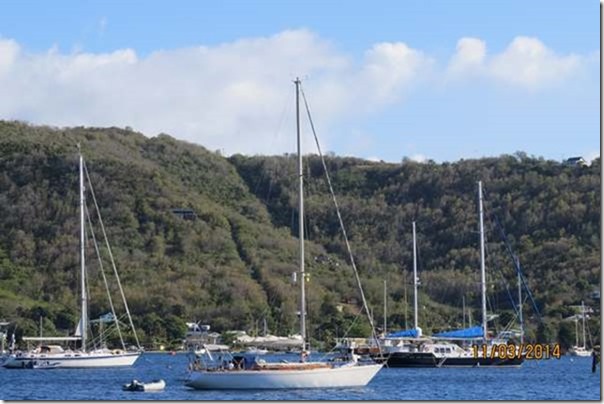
440,80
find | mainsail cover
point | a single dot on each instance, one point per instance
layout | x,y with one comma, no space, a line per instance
412,333
466,333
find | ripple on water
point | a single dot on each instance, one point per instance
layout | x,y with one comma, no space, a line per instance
553,379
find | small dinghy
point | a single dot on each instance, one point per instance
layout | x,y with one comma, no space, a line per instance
135,385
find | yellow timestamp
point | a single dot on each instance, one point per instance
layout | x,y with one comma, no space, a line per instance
522,351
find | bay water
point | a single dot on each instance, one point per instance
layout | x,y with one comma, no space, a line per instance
567,378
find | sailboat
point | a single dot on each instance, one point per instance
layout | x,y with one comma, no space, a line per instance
438,350
399,346
580,350
82,358
242,372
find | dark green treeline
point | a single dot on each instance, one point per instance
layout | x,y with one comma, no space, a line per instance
231,265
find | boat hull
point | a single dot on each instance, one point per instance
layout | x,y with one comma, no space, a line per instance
83,360
580,353
429,360
345,376
156,385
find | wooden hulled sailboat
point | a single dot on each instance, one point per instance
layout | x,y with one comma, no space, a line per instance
241,373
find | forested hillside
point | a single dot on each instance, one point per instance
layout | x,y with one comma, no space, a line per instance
550,213
231,265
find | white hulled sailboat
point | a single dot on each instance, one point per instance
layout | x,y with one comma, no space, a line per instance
580,350
52,355
241,373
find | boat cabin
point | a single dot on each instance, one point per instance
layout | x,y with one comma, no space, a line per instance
50,349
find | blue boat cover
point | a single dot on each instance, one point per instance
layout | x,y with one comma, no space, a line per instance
403,334
472,332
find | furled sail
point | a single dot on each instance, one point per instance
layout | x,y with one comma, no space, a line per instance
78,331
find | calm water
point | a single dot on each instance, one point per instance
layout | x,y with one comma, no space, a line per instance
555,379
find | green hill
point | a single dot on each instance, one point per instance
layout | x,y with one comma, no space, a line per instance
231,266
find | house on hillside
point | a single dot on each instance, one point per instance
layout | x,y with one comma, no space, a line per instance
186,214
576,161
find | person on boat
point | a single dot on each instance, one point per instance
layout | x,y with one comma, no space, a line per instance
194,365
303,356
595,358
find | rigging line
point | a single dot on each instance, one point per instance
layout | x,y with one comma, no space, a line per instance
98,254
284,114
352,324
111,255
508,326
269,190
516,261
270,168
85,315
489,300
356,273
275,135
505,282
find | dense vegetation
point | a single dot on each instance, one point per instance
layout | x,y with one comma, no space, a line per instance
231,266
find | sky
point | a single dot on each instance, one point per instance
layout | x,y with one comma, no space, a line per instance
426,80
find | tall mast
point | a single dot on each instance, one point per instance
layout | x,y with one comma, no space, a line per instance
463,311
301,220
385,307
405,295
483,282
84,300
520,317
583,315
414,280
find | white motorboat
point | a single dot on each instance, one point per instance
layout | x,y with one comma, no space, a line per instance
199,339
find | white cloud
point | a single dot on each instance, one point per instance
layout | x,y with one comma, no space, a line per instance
390,67
9,50
526,62
229,96
233,96
420,158
469,57
592,155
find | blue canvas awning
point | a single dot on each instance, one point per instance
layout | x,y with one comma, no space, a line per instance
466,333
403,334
